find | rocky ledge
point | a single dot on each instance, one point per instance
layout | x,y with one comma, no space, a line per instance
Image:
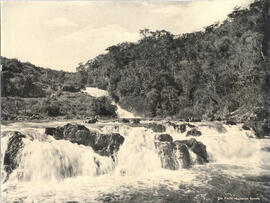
176,154
103,144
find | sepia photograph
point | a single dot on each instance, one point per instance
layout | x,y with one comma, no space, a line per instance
135,101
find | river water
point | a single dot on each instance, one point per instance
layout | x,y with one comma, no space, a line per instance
238,168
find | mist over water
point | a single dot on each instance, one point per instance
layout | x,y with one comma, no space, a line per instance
60,171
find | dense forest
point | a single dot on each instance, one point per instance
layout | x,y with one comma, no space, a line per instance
217,73
31,92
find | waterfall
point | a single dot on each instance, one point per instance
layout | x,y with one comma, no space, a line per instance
51,170
62,164
95,92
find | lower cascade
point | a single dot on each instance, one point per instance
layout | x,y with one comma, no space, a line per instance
113,153
126,159
93,152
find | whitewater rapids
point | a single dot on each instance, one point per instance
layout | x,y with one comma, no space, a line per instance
60,171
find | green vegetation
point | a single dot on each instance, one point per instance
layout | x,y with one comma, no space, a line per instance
219,73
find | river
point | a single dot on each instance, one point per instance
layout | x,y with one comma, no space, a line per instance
238,168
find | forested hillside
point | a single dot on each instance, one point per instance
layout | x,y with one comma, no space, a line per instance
218,73
31,92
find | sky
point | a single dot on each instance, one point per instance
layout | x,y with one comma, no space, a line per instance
62,34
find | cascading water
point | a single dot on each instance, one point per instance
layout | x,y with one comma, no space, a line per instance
53,170
95,92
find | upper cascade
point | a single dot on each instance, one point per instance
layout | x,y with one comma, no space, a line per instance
95,92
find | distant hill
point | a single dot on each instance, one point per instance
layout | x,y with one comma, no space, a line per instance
31,92
27,80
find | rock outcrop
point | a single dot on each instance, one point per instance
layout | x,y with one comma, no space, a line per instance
157,128
178,127
194,132
103,144
12,155
175,155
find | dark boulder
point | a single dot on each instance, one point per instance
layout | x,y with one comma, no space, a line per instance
107,144
12,155
182,154
194,132
158,128
92,120
164,138
54,131
175,155
136,120
244,127
261,128
229,122
200,150
164,147
74,133
182,128
196,147
103,144
123,120
190,125
179,128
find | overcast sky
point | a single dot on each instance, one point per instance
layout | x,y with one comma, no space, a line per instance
61,34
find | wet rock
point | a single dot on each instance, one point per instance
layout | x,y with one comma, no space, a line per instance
178,127
175,155
182,128
194,132
103,144
92,120
196,147
266,149
12,155
165,151
190,125
230,122
123,120
261,128
244,127
182,154
164,138
158,128
107,144
136,120
200,150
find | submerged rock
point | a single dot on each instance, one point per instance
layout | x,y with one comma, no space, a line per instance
136,120
194,132
164,138
92,120
103,144
230,122
244,127
123,120
157,128
178,127
12,155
